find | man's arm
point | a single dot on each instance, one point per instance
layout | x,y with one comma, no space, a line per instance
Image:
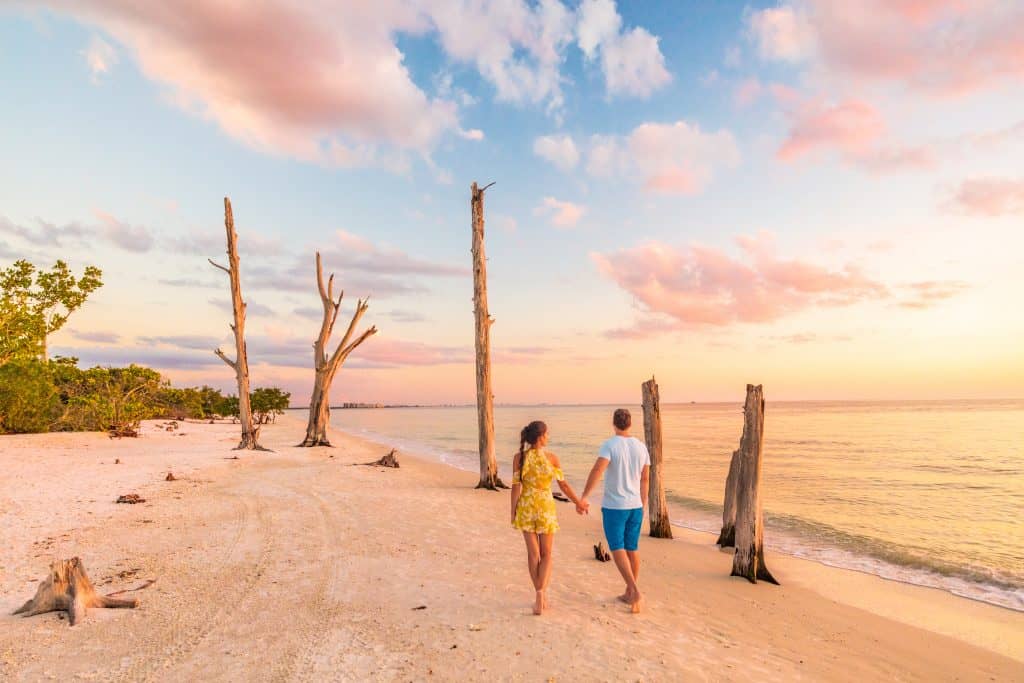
596,472
645,484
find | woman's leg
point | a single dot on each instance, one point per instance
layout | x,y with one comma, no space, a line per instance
533,557
547,546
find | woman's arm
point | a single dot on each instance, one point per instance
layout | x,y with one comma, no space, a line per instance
517,488
566,489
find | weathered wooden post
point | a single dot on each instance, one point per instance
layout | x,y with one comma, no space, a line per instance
748,561
727,537
250,432
658,508
484,395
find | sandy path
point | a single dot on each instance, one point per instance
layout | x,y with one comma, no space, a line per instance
297,566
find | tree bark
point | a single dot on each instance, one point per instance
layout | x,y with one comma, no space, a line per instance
250,432
69,589
748,561
727,537
484,394
657,506
326,367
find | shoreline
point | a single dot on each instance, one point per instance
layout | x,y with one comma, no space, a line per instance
303,565
700,537
791,545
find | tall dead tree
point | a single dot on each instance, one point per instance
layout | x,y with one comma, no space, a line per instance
326,366
484,395
727,537
250,431
657,506
748,561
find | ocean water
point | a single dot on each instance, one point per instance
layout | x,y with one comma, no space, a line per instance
930,493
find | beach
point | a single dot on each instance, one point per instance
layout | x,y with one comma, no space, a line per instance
302,564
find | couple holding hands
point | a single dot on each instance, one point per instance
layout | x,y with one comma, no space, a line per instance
624,463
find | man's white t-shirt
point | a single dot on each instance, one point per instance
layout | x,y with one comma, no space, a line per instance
627,456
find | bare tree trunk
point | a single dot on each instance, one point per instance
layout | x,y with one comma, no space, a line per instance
484,395
326,367
250,432
748,561
727,537
658,507
69,589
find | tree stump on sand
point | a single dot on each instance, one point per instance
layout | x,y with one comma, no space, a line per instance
748,561
657,505
389,460
69,589
727,537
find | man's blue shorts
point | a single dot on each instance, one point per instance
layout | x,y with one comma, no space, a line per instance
622,527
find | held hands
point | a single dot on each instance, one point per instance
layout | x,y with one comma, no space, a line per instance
582,507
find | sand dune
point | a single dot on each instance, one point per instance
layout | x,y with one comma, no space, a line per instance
297,565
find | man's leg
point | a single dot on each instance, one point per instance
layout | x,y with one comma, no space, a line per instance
631,543
615,533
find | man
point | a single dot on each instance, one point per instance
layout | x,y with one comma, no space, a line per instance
626,465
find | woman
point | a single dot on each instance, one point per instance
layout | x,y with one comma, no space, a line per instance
533,506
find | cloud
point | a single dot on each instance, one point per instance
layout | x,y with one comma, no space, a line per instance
251,307
46,234
989,197
931,293
135,238
943,47
97,336
811,338
560,150
855,129
401,316
781,33
561,214
191,342
100,56
702,286
631,61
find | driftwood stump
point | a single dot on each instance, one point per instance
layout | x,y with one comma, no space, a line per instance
69,589
657,505
489,478
389,460
727,537
748,561
600,554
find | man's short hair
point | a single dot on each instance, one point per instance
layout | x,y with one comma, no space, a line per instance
622,419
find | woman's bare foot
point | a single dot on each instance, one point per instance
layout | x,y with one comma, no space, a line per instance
636,604
538,604
545,594
626,597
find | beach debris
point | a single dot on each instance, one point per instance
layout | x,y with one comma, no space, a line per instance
474,627
240,364
560,497
170,477
482,320
419,607
145,584
68,589
130,498
325,365
658,506
600,554
123,431
389,460
748,561
117,461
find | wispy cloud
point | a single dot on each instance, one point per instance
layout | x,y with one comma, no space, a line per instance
989,196
562,214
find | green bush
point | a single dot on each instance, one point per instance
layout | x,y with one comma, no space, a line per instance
113,399
29,400
268,403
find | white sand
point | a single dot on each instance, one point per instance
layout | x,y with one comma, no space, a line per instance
297,565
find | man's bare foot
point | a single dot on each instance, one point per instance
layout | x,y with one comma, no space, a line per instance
538,604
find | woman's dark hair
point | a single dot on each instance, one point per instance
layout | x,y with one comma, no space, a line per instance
530,435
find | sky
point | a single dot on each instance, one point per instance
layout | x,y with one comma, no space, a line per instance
824,197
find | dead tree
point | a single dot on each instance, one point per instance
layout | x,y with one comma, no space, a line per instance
326,367
250,432
69,589
657,506
727,537
748,561
484,395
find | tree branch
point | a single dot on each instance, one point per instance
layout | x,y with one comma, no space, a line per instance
232,364
217,265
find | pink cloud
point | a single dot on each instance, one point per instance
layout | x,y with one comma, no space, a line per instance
702,286
561,214
990,196
852,126
945,47
927,294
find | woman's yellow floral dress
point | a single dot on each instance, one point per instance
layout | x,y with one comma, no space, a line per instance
535,511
